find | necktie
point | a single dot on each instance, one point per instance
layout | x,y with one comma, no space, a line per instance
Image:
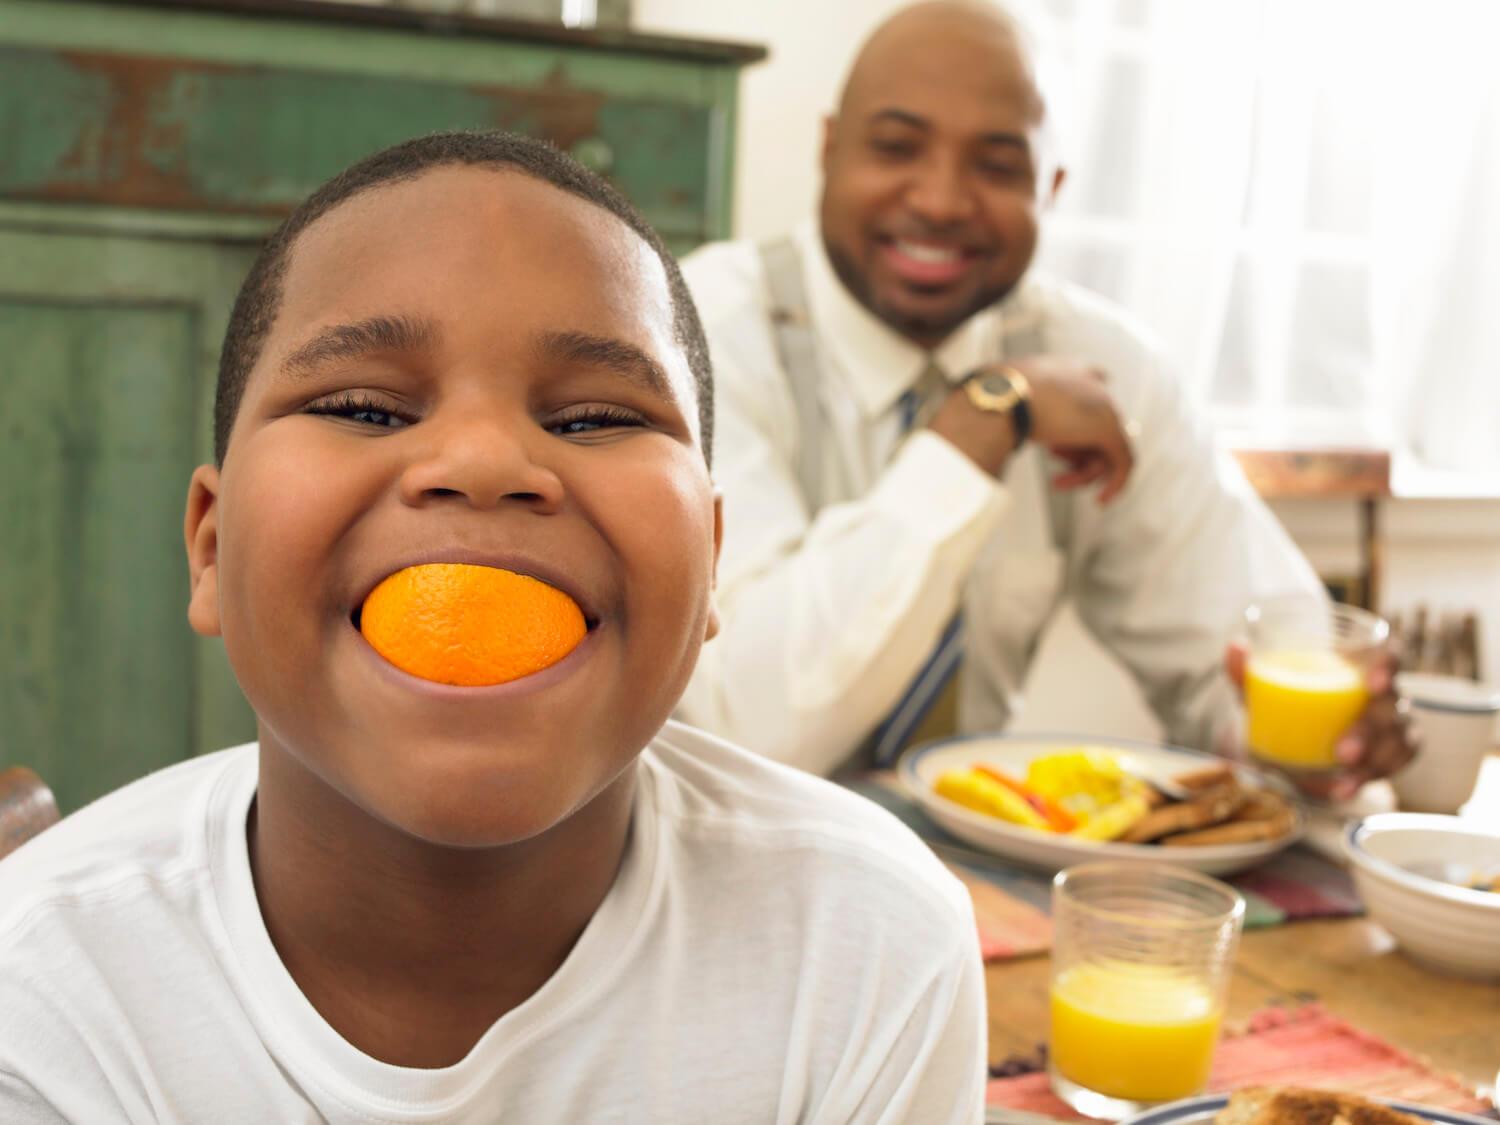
929,707
921,400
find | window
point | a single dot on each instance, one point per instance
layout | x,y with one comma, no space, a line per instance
1283,191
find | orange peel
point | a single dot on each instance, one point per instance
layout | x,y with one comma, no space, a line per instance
469,625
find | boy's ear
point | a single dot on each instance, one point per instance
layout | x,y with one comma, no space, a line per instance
713,606
200,529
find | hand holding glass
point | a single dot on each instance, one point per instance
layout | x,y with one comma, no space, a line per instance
1305,678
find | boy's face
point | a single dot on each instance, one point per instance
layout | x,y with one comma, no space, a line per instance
471,366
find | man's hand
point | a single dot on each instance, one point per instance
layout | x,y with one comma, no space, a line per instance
1072,416
1381,741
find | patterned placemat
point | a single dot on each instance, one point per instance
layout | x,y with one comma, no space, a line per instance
1012,903
1304,1046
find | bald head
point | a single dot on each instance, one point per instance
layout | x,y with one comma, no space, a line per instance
961,32
934,169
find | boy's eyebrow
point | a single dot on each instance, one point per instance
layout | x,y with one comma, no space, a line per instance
619,356
348,341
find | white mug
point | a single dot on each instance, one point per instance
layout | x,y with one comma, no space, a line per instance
1457,720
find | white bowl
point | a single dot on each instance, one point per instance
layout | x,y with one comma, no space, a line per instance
921,766
1449,928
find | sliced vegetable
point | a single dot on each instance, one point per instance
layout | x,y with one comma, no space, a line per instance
1114,819
1058,818
983,794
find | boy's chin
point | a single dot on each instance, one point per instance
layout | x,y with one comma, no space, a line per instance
481,808
470,828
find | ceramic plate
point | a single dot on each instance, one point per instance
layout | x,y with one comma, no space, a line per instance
919,769
1201,1111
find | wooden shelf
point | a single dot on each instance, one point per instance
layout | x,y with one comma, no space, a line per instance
450,23
1279,474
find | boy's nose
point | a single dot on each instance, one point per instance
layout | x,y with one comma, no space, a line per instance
485,463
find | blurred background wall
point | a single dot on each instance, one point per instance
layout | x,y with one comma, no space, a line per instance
1278,118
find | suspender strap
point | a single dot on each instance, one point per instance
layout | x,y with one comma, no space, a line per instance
1021,335
792,325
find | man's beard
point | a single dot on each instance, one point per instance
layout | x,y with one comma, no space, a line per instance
925,330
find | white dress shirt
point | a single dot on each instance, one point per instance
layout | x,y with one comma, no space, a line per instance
830,605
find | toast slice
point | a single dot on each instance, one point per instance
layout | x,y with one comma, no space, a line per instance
1213,805
1294,1105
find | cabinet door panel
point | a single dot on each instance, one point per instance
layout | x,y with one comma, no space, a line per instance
97,418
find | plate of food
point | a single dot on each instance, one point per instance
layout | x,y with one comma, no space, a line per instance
1268,1105
1051,801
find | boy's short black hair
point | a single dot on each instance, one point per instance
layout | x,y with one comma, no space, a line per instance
260,295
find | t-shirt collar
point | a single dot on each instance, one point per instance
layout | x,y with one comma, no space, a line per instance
879,363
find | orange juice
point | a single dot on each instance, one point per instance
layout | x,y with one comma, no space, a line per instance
1141,1032
1299,702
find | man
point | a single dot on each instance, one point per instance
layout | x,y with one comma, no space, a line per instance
884,510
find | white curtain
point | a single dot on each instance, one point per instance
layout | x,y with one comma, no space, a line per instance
1437,230
1302,199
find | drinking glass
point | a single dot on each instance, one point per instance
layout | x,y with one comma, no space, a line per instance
1140,964
1305,678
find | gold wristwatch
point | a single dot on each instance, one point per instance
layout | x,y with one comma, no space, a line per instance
1002,390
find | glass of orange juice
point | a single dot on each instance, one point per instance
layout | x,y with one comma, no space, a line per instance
1305,678
1140,962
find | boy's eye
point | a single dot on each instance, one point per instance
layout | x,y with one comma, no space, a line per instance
359,408
585,420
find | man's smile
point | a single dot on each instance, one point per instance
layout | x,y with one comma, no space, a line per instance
927,262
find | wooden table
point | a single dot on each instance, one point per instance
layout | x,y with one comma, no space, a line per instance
1350,965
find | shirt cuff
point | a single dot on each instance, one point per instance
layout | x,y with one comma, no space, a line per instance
935,489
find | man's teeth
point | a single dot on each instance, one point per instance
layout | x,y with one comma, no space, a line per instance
931,255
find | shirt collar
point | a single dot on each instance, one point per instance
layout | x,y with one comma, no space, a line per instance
879,363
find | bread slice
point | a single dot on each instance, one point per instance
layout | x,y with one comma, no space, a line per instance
1294,1105
1213,805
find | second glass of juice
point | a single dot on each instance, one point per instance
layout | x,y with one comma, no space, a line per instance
1140,964
1305,678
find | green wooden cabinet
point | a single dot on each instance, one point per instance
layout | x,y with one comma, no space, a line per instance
145,149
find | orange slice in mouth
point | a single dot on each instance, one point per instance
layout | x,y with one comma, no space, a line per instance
470,626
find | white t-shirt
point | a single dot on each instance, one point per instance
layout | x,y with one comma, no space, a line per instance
830,604
774,949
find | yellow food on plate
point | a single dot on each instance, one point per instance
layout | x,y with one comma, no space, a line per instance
983,794
1091,785
1101,798
1113,820
1086,794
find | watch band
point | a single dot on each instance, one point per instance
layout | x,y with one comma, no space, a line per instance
1020,415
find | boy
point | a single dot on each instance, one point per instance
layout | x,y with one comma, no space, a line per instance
529,902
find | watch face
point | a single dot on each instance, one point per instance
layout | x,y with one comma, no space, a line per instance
994,382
